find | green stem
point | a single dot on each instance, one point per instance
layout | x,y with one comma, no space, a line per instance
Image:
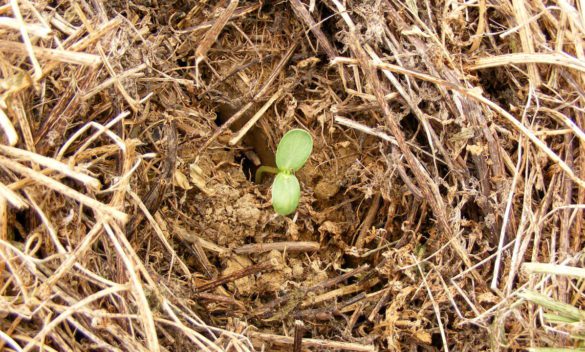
262,169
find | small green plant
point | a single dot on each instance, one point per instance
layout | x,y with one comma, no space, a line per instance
292,153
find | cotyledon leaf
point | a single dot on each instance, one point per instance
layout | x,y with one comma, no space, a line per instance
293,150
286,192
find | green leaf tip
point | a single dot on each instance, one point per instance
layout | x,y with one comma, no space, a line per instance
286,192
294,149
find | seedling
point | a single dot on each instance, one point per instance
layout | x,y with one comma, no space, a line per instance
291,154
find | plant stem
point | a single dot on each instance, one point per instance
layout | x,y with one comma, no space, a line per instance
262,169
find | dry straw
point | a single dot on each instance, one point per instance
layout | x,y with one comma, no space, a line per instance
441,208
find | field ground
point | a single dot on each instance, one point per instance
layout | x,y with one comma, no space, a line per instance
441,208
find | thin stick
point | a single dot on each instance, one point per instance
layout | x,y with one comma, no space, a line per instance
112,80
36,29
344,121
250,270
27,47
239,12
342,291
360,242
12,197
298,339
316,343
212,34
300,10
435,306
509,203
365,129
557,59
566,121
481,25
8,128
256,117
292,246
13,344
3,227
65,56
553,269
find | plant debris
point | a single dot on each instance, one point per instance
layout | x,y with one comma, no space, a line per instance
441,207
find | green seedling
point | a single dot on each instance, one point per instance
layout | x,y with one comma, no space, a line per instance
291,154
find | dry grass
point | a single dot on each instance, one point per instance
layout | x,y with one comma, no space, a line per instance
442,207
